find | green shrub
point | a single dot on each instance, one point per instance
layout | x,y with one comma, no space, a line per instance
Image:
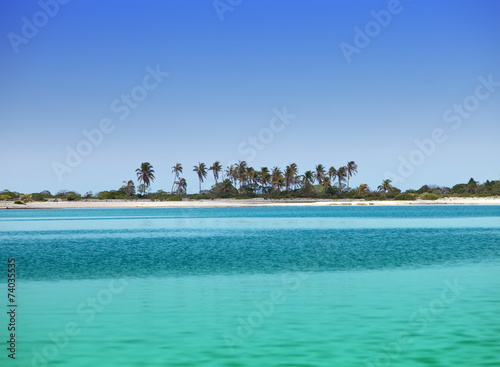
12,194
160,195
68,195
224,189
203,196
38,196
459,189
393,193
113,194
25,198
73,196
19,202
405,196
429,196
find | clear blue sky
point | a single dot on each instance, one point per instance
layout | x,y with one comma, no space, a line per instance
61,74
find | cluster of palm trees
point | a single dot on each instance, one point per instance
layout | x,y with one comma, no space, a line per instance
275,180
264,180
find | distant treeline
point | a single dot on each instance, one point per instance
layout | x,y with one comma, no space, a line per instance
243,182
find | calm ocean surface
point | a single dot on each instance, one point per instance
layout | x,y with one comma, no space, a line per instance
262,286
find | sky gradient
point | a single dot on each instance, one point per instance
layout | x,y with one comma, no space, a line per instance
229,74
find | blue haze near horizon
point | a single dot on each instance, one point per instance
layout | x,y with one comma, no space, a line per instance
225,79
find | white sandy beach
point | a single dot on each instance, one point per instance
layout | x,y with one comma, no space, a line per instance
238,203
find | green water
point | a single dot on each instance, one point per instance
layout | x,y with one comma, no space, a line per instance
412,286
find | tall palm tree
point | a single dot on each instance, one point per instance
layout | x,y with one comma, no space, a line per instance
290,175
252,176
230,172
265,177
145,175
177,169
295,170
181,186
241,171
201,171
352,169
308,178
332,173
341,174
216,169
386,186
277,179
319,175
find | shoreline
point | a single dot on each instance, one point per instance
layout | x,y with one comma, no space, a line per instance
227,203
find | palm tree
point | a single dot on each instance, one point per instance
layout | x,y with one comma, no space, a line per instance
128,187
216,169
277,179
352,169
332,173
295,171
181,186
252,176
319,174
265,177
201,171
386,186
177,169
341,174
241,170
290,176
145,175
326,183
230,172
363,189
308,178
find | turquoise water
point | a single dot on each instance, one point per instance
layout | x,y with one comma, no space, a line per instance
294,286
